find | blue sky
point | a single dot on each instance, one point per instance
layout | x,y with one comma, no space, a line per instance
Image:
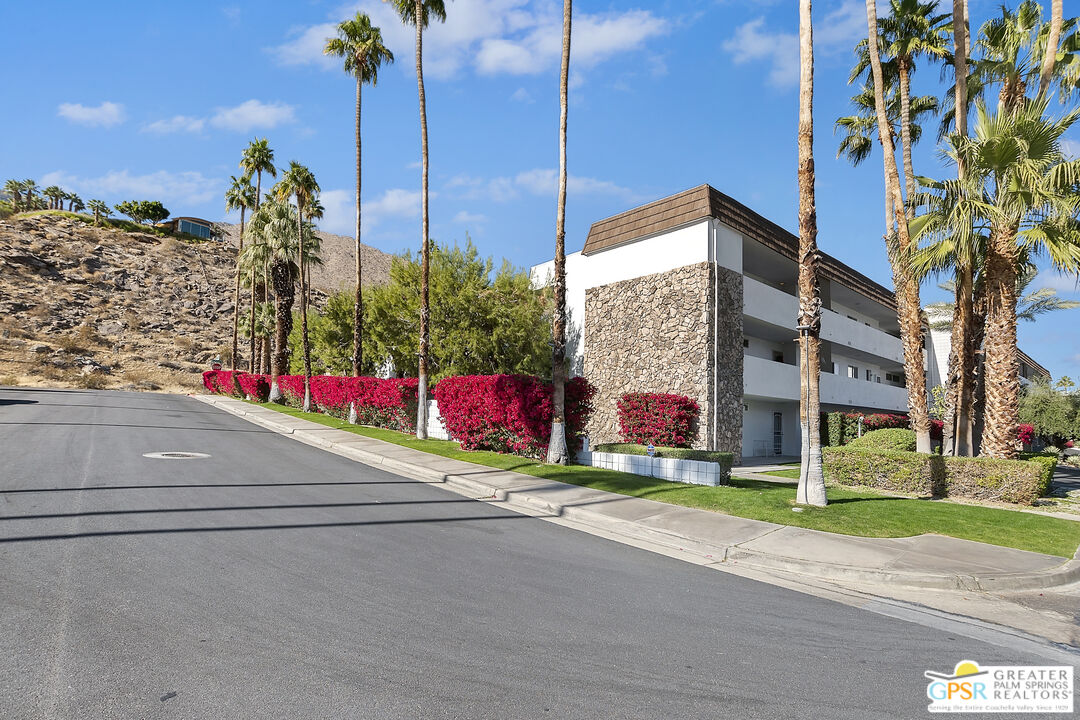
157,100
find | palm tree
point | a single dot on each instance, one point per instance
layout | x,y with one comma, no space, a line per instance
275,249
811,489
897,242
1030,304
1052,40
298,182
1029,196
101,209
361,44
77,205
557,452
258,158
859,130
55,195
240,196
14,188
418,13
29,187
1008,47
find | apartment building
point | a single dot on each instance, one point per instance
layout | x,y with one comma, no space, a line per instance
696,294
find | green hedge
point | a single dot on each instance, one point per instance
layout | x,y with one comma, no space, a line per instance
887,439
911,473
724,459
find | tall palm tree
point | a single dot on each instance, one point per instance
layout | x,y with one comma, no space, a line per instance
29,187
55,195
275,249
418,13
298,182
897,242
240,196
1030,197
811,489
361,44
859,130
14,188
1046,72
258,158
557,452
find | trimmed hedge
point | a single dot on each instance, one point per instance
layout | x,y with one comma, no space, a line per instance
510,413
723,459
887,439
911,473
658,418
840,428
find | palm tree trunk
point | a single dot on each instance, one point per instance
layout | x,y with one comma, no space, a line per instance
811,490
1001,365
283,302
422,374
1052,40
251,349
905,132
557,450
358,302
897,241
303,306
236,295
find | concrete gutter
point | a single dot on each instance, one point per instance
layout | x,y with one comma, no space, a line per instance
925,561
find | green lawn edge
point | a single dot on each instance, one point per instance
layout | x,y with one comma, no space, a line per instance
850,512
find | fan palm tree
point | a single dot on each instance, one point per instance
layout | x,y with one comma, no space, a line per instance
101,209
897,243
14,188
298,182
1046,72
418,13
811,489
55,195
77,205
361,45
275,249
1029,197
258,158
29,187
860,130
557,452
240,196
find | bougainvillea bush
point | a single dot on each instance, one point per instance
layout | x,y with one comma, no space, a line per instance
1025,434
510,413
222,382
658,418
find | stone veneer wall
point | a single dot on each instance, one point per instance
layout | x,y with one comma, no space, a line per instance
655,334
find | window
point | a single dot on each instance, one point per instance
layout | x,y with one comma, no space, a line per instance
745,343
853,372
869,375
777,356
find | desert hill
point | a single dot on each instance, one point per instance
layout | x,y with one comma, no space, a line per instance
102,307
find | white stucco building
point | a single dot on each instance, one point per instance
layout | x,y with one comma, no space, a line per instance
661,298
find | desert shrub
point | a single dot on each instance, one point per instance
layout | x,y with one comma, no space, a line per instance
887,439
657,418
510,413
1012,481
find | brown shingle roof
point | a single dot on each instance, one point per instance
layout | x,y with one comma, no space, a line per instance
1039,369
704,202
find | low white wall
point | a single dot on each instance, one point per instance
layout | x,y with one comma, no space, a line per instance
696,472
435,427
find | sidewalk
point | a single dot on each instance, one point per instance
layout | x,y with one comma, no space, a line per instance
925,561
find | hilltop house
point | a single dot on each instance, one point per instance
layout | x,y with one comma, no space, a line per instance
696,294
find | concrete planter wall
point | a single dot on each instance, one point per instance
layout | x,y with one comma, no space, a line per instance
695,472
435,428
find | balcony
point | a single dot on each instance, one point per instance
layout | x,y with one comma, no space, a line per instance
778,308
774,380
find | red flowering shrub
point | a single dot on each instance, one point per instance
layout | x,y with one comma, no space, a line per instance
389,403
881,421
937,429
1025,433
222,382
657,418
510,413
1069,443
292,389
255,386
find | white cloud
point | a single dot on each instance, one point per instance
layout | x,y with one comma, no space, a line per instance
522,95
1050,278
340,208
177,123
495,36
106,114
175,189
837,30
253,114
1071,148
466,218
538,181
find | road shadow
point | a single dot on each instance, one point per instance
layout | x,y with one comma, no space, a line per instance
16,401
88,488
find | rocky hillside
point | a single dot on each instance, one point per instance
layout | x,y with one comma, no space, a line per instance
339,266
96,307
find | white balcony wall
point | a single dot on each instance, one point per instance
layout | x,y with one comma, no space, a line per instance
767,379
779,308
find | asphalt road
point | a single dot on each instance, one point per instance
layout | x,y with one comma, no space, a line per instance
275,580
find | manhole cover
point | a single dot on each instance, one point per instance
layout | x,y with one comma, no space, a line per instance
175,455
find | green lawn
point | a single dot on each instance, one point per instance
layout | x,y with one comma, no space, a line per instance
850,512
791,474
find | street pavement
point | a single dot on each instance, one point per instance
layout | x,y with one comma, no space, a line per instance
276,580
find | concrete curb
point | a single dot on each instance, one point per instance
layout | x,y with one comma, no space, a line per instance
526,499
